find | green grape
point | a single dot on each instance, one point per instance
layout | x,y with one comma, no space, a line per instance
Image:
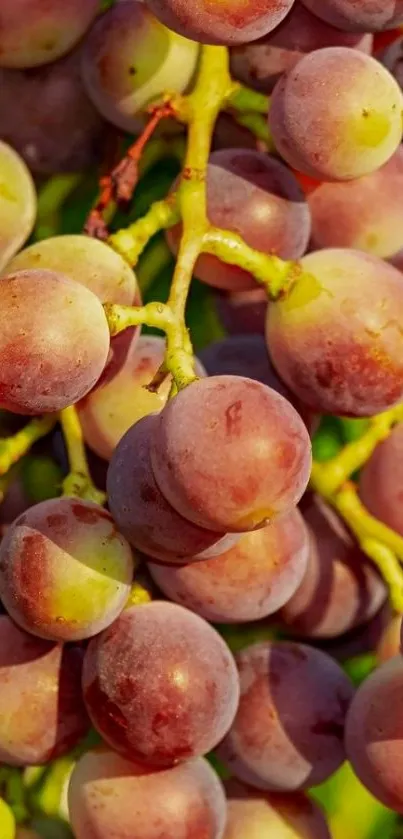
352,429
327,441
41,478
7,821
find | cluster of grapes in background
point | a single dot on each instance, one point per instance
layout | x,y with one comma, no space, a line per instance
199,624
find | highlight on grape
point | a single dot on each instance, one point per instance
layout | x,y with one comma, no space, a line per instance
201,419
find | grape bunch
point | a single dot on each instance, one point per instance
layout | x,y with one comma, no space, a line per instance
201,419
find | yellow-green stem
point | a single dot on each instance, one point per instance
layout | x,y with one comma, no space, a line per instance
13,448
78,482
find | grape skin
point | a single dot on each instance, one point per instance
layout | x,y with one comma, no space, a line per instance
129,59
108,796
374,733
335,339
250,581
340,589
120,398
381,485
392,59
65,571
141,511
150,696
365,214
60,130
288,731
230,453
336,115
42,714
35,33
227,22
257,197
242,312
87,261
17,203
259,65
389,643
255,815
365,16
54,341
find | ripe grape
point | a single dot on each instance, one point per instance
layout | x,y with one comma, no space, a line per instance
230,453
17,202
60,130
120,398
381,481
130,58
141,511
54,341
65,571
255,815
392,59
242,312
335,339
256,196
87,261
288,731
160,684
251,580
226,22
365,214
336,115
340,589
32,33
374,733
365,16
389,643
108,796
42,714
259,65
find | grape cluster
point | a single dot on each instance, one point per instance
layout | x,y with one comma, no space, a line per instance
196,635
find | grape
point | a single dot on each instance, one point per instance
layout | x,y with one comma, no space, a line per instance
42,714
336,115
340,590
365,214
335,339
392,59
288,732
120,398
160,684
257,197
60,130
42,478
54,341
374,733
255,815
259,65
226,22
389,642
230,453
381,481
242,312
110,797
130,58
364,16
65,571
251,580
142,513
17,202
32,33
87,261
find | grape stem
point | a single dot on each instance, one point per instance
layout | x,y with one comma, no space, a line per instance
12,449
78,482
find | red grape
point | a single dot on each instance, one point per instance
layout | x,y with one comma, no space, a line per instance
251,580
160,684
364,16
242,312
255,815
374,733
392,59
256,196
65,571
335,338
336,115
42,714
230,453
141,511
288,732
110,797
381,481
389,643
54,341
